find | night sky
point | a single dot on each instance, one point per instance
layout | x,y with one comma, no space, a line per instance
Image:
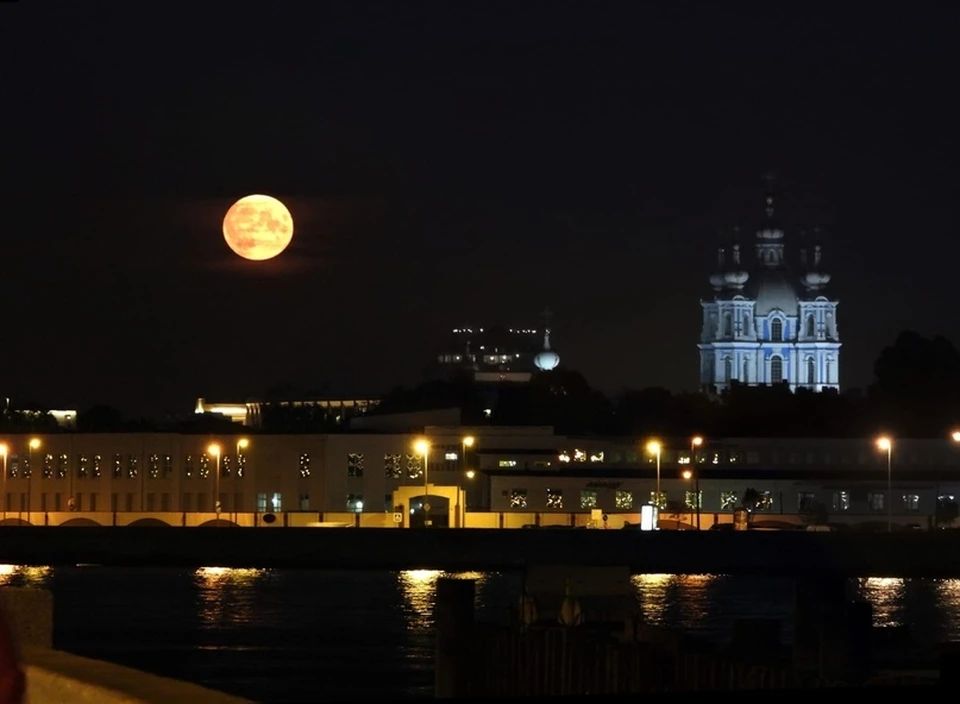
448,163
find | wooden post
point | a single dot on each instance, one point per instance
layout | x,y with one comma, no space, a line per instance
454,618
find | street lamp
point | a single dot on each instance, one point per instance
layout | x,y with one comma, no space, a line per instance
654,447
695,442
242,444
466,443
214,449
885,444
422,447
34,444
471,474
3,453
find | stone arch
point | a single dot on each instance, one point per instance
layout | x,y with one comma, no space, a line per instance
148,523
219,523
13,521
86,522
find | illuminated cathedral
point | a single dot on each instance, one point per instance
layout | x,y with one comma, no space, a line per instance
766,323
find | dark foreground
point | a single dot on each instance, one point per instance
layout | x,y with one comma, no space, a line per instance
747,553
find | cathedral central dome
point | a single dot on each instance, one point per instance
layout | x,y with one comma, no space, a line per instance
774,289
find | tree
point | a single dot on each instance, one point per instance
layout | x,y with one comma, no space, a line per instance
947,512
751,497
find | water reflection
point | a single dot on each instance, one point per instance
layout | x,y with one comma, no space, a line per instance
669,597
226,595
886,595
24,575
419,588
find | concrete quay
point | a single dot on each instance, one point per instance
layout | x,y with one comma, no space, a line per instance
787,553
54,676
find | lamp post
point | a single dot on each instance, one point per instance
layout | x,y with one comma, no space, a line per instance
653,447
34,444
242,444
695,442
3,454
885,444
214,449
422,447
468,442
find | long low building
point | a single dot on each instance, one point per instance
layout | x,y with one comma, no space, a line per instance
526,472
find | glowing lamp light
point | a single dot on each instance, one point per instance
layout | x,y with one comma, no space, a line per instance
885,444
471,474
421,447
653,447
243,443
687,474
213,449
956,436
3,450
468,441
34,443
697,441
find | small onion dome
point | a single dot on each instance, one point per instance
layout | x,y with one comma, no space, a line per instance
547,359
718,281
816,279
736,279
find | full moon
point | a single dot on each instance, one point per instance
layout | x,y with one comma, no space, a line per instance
258,227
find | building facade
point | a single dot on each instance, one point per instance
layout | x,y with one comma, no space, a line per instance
500,470
766,324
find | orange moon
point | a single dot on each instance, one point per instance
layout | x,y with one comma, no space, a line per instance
258,227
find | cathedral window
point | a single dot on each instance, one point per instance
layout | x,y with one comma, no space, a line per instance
727,325
727,369
811,327
746,325
811,372
745,378
776,330
776,370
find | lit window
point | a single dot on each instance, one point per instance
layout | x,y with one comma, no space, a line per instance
414,466
728,500
658,500
450,456
596,457
304,465
563,457
554,498
392,466
911,502
841,501
693,500
876,501
355,503
579,456
508,463
518,498
354,464
588,498
623,500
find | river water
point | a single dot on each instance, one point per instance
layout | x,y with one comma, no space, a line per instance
305,636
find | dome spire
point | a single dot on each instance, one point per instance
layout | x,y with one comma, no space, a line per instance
769,247
547,359
769,199
816,278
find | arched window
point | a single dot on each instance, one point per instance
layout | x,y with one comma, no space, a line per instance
746,372
828,377
811,326
811,372
746,325
727,325
776,330
727,369
776,370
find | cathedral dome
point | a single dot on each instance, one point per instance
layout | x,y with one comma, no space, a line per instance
774,289
547,359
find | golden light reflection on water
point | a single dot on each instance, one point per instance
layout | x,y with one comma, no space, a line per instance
656,593
225,598
419,588
23,575
885,594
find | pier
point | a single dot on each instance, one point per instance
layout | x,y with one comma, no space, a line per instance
784,553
